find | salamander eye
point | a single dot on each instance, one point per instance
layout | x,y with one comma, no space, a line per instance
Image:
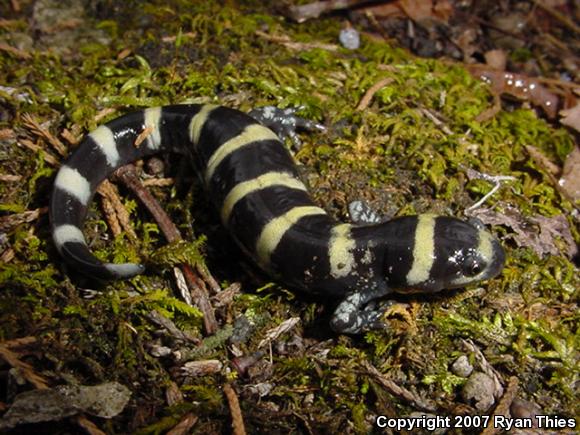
473,267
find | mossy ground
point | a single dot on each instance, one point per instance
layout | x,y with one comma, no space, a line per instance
390,154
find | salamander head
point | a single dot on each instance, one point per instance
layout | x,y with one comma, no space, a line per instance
450,253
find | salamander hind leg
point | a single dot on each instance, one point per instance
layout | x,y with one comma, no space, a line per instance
357,313
361,213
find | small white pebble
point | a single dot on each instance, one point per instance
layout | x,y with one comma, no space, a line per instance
462,367
349,38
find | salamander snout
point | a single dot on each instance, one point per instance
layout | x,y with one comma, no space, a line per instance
473,254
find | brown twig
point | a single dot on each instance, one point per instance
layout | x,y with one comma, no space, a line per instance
128,176
490,113
237,418
158,182
184,426
397,390
26,370
90,427
367,97
10,178
34,126
14,51
48,158
116,213
12,220
162,321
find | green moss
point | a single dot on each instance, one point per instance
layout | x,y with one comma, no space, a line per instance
447,381
390,154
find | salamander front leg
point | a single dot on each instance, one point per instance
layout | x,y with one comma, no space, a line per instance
358,313
284,122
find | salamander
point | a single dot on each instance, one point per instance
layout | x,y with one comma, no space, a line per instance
253,182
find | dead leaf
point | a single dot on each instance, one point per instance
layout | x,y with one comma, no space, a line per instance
53,404
417,10
571,117
539,233
276,332
569,182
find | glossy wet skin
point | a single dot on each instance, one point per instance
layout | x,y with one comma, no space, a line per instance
252,181
447,253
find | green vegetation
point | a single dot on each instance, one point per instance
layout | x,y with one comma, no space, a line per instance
389,154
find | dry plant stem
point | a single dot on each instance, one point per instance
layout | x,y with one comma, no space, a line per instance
315,9
12,220
203,271
107,192
26,370
184,426
48,157
9,178
397,390
34,126
298,46
121,213
20,54
433,118
305,422
201,299
128,176
172,329
89,426
238,427
496,179
367,97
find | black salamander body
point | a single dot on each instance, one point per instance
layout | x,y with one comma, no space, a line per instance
253,182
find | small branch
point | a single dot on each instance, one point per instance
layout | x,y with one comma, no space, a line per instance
431,116
26,370
10,221
19,54
115,212
312,10
128,176
238,427
34,126
367,97
293,45
397,390
184,426
48,157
